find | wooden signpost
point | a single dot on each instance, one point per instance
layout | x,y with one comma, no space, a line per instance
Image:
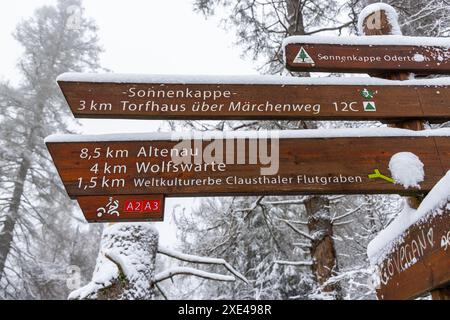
427,267
420,262
368,54
126,178
267,98
236,166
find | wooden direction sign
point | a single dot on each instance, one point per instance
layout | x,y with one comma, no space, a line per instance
122,208
419,262
299,162
371,54
259,97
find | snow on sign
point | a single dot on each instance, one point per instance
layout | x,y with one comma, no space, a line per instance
122,208
367,54
247,163
412,254
254,97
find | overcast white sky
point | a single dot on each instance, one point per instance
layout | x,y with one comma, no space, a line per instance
140,36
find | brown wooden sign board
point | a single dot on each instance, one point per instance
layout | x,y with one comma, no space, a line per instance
306,166
124,208
420,262
323,57
258,101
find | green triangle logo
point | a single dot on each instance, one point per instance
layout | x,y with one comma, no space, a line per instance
303,57
369,106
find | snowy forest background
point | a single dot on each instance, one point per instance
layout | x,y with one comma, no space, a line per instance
286,247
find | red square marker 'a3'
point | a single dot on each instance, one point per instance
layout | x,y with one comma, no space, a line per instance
142,206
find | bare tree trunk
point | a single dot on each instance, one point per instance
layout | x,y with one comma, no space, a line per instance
125,265
295,17
7,232
323,252
322,249
12,216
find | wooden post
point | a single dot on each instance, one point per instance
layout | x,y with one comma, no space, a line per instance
441,294
323,251
383,27
379,24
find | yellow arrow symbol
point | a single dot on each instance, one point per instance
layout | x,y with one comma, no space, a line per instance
378,175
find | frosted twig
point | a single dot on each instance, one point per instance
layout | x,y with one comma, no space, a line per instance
347,214
201,260
167,274
294,263
161,291
304,234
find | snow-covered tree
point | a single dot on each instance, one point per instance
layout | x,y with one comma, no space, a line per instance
33,205
126,265
308,247
260,29
261,26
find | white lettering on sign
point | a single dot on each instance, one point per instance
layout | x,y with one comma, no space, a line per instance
151,106
407,254
237,180
445,241
373,59
269,107
165,99
176,164
177,94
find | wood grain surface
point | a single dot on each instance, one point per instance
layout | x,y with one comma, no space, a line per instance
246,102
420,60
420,262
312,164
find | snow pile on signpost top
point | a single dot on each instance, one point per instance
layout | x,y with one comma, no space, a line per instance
407,169
391,14
433,204
277,80
284,134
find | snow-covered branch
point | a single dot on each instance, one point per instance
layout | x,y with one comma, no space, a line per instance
167,274
348,213
157,286
343,223
285,202
252,207
294,263
338,28
293,221
300,232
200,260
302,244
